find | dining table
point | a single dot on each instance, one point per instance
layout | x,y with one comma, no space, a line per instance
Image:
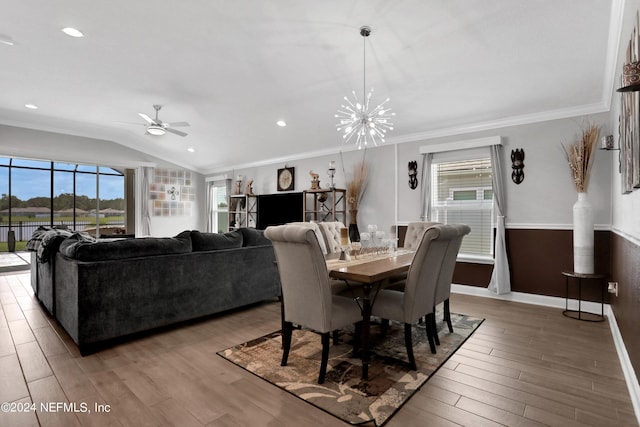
371,272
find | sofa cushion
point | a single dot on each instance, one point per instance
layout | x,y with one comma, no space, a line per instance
253,237
78,247
215,241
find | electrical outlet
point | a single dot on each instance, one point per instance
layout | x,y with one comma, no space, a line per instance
613,288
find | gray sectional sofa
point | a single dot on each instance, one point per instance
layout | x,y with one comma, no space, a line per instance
100,290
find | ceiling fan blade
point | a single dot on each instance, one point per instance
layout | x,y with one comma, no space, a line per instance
147,118
177,132
177,124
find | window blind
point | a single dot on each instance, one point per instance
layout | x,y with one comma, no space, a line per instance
462,193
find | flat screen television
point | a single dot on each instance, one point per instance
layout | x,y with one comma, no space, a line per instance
279,208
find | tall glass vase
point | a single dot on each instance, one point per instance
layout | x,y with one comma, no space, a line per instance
354,233
583,235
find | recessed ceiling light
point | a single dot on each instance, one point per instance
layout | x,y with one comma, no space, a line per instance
31,106
73,32
191,150
281,123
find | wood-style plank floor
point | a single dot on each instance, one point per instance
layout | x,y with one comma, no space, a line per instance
526,366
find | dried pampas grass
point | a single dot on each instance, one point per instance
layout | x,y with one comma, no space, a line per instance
580,155
357,185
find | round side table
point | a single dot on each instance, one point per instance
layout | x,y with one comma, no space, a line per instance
580,278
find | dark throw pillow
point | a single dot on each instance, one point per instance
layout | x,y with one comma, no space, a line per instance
77,248
215,241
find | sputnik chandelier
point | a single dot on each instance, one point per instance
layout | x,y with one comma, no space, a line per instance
360,121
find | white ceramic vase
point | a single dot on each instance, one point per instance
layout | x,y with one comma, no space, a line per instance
583,235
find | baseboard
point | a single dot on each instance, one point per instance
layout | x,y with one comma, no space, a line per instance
558,302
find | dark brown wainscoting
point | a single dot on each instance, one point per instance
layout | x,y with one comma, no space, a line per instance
536,260
625,269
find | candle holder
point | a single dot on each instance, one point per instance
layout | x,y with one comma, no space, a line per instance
332,173
344,253
344,245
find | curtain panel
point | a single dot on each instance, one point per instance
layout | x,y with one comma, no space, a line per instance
500,282
145,214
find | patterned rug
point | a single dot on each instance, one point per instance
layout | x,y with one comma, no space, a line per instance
344,394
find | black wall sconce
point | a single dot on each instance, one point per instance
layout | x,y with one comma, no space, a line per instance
517,160
413,174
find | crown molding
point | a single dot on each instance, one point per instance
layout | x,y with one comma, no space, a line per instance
581,110
613,49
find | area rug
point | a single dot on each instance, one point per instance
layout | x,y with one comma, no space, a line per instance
344,394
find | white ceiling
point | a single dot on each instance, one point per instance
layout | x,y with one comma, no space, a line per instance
233,68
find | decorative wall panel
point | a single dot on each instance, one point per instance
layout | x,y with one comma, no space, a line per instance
171,192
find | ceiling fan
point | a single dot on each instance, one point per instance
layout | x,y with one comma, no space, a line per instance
157,127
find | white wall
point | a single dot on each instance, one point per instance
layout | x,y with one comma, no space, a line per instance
626,207
543,200
40,145
546,196
377,205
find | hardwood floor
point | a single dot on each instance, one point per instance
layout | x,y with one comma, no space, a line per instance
526,365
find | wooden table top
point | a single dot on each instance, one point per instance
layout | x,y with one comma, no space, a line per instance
367,269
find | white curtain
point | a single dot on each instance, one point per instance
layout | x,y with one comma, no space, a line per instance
500,282
209,200
145,214
425,193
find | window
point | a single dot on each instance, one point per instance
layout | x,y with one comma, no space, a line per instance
36,193
462,193
219,208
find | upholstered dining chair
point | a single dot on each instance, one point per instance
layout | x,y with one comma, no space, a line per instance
414,233
412,238
443,288
418,297
331,233
307,297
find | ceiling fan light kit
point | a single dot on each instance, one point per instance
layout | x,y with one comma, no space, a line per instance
157,127
156,130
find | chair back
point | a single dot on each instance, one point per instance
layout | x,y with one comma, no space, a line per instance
304,277
443,289
331,232
423,274
316,229
414,233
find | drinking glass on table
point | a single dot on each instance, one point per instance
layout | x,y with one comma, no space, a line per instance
365,239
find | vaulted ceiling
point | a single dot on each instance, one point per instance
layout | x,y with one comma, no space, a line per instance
232,69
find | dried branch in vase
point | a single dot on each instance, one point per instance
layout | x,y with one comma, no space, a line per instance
580,157
356,187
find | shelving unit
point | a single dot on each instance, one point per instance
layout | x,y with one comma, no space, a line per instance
325,205
243,211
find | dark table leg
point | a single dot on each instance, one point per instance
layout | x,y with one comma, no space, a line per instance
366,326
579,299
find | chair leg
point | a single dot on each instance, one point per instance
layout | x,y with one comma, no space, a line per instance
384,326
409,344
447,315
325,357
434,327
287,330
336,337
282,322
429,330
